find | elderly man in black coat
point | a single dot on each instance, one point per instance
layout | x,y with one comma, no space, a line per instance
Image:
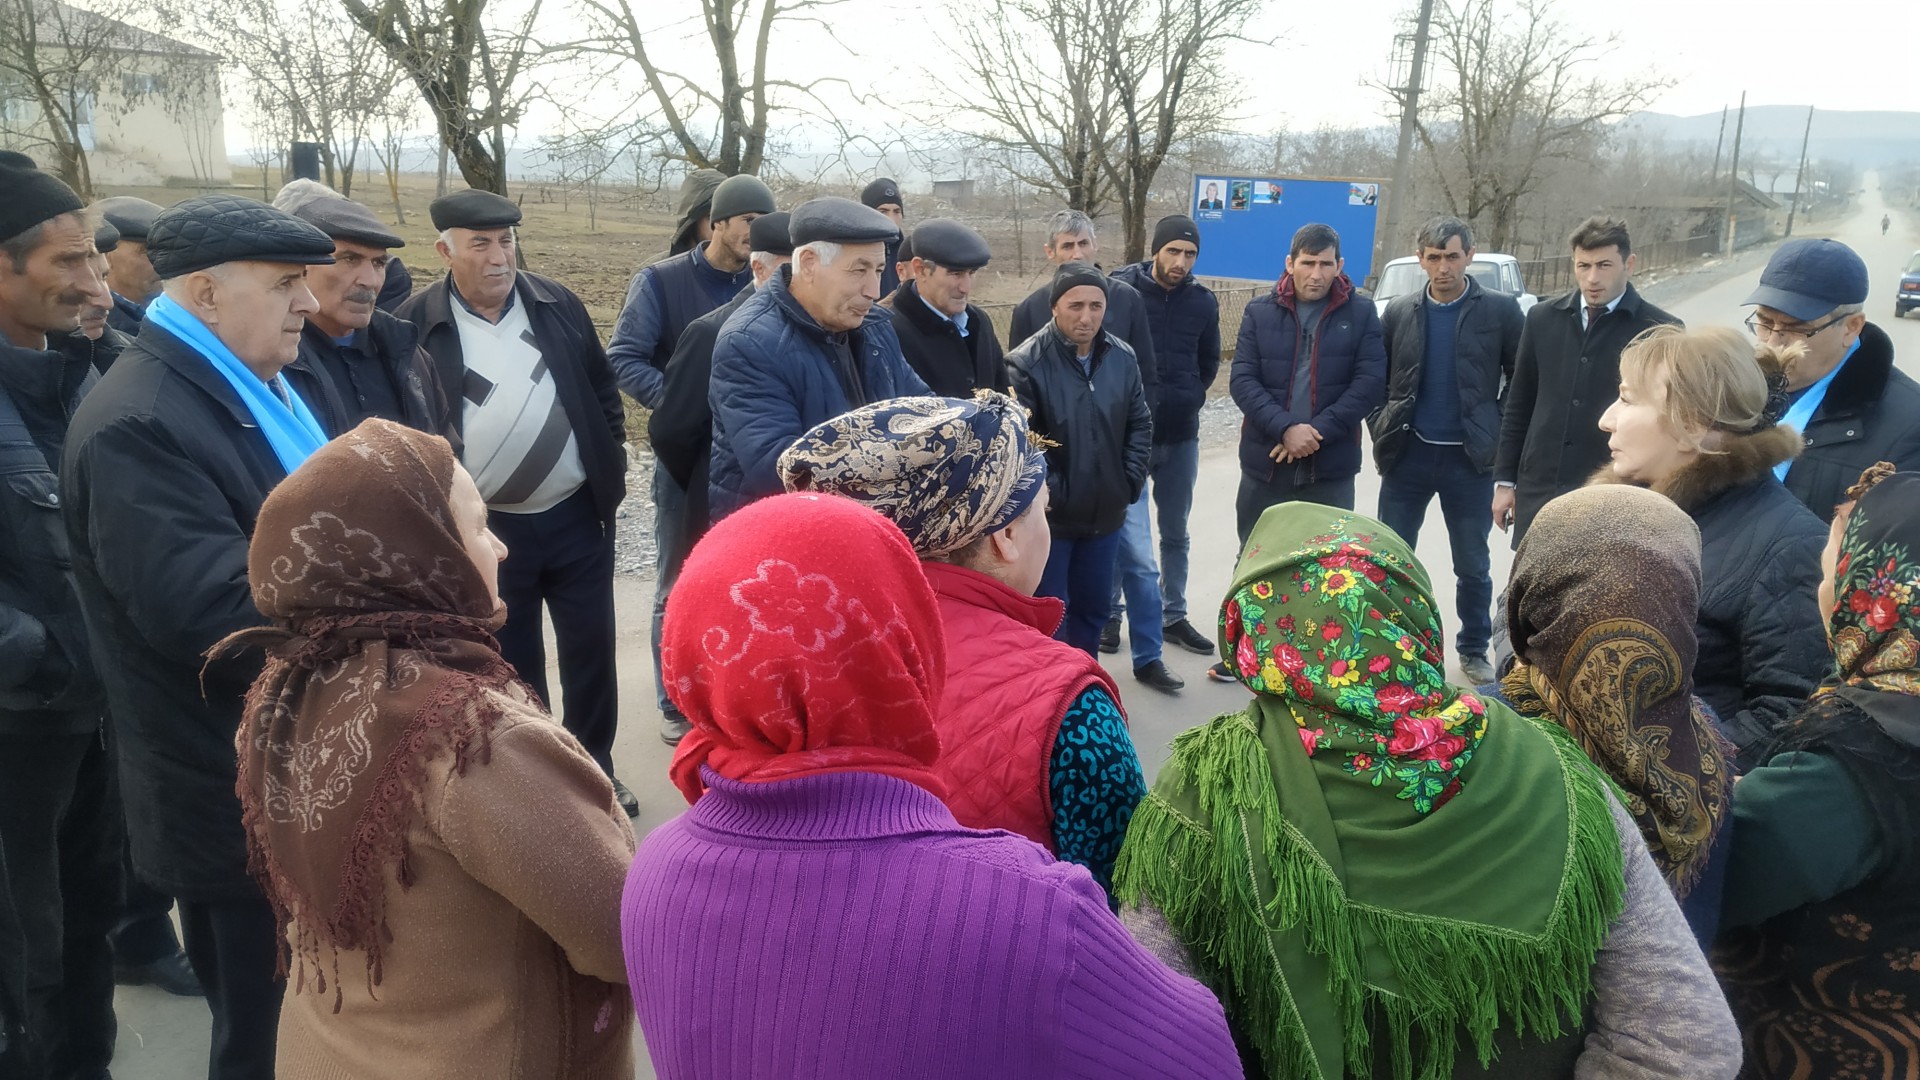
1566,373
166,465
129,271
947,340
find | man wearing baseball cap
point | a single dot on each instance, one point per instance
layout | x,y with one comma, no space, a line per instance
1847,400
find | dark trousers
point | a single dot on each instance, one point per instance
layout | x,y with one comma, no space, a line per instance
1080,572
1256,495
562,559
234,946
62,832
672,540
1465,493
144,933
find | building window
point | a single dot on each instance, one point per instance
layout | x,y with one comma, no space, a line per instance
136,85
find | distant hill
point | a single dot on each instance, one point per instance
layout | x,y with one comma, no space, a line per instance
1867,139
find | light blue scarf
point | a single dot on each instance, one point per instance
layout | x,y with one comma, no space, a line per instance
1800,413
288,425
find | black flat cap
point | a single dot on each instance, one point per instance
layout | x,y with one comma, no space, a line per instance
31,197
106,237
881,192
344,219
769,233
840,221
215,229
133,217
946,242
473,209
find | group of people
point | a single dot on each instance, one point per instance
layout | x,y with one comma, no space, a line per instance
299,549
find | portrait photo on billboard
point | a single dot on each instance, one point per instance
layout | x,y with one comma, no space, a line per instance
1210,196
1240,194
1363,194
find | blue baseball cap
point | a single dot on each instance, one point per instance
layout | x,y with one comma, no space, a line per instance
1805,279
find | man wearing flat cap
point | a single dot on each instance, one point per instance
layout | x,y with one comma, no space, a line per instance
809,346
884,195
967,482
541,428
357,361
129,273
60,824
680,429
950,342
1846,399
165,468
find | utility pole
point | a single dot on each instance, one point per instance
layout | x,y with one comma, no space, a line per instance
1409,117
1800,177
1718,142
1733,175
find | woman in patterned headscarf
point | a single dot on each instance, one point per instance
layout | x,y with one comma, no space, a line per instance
445,860
1384,874
1605,590
1826,839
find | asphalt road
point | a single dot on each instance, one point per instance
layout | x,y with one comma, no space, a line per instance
165,1038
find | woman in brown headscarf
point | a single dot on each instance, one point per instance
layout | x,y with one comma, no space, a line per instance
445,860
1605,590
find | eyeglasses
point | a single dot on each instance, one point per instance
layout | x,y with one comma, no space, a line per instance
1760,328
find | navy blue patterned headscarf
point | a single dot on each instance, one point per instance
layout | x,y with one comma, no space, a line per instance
947,471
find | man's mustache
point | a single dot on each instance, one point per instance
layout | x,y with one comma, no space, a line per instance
361,296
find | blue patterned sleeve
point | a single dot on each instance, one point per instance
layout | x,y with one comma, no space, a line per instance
1096,782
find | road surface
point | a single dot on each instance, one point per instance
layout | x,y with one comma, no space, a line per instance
165,1038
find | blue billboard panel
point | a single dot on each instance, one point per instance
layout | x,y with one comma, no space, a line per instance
1247,222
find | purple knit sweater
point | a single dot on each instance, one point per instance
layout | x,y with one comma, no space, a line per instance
845,925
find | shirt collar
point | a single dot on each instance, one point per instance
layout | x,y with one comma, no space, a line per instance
1610,306
959,321
453,290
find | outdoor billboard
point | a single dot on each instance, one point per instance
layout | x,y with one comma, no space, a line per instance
1247,222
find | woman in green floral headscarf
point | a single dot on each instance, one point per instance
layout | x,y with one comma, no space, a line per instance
1382,874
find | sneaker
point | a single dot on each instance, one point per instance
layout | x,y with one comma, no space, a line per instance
1476,669
673,729
625,798
1184,635
1110,636
1156,675
1219,673
171,973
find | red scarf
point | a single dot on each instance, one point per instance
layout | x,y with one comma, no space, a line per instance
803,638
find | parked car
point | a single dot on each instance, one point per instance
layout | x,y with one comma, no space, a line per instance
1909,294
1499,273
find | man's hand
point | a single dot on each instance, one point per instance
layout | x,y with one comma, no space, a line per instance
1503,506
1299,441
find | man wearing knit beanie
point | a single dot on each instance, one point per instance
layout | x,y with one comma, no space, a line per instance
1184,318
61,825
883,194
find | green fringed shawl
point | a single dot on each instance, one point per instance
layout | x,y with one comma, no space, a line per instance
1313,904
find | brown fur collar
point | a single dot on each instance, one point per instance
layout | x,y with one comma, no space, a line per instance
1741,459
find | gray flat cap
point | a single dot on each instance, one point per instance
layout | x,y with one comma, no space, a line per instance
946,242
473,209
841,221
344,219
133,217
106,237
215,229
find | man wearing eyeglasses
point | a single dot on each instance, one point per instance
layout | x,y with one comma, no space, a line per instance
1848,401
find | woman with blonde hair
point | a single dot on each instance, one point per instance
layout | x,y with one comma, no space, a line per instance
1698,420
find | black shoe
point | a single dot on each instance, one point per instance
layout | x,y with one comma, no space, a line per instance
1184,635
1476,669
1110,636
673,729
1156,675
171,973
1219,673
625,798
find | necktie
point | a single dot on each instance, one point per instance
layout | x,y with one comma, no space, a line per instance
1594,311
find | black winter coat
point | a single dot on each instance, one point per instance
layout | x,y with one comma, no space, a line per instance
1184,322
583,379
1100,424
407,376
1349,379
47,680
1126,319
681,429
1763,638
1486,340
1871,413
162,481
952,366
1563,379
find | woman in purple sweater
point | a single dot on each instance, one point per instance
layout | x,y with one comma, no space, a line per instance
819,912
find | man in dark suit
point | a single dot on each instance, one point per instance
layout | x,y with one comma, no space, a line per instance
1565,375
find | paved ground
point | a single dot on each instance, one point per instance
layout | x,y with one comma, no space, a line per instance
165,1038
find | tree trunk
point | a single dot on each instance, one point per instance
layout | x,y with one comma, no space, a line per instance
1133,221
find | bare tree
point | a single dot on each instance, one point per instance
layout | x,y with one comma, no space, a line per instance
1516,90
396,116
472,75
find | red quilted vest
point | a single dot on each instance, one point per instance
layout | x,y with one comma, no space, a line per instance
1008,687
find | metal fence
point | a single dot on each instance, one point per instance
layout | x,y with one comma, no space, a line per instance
1233,305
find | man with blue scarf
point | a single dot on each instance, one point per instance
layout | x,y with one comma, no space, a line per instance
166,464
1846,399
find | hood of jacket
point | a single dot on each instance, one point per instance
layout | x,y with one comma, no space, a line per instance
696,195
1337,296
1742,460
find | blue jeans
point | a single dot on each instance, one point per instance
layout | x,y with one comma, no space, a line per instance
670,547
1174,469
1465,493
1138,580
1080,572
